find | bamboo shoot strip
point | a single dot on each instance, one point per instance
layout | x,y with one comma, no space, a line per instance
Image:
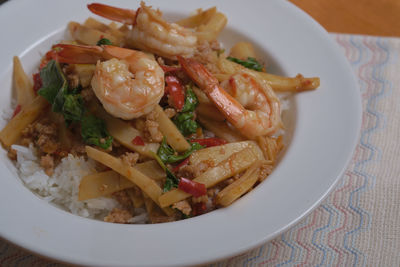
236,163
146,184
13,130
174,137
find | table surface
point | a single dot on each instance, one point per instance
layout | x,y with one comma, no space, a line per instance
369,17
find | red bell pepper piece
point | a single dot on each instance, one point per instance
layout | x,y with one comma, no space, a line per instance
191,187
37,82
175,90
138,141
207,142
16,110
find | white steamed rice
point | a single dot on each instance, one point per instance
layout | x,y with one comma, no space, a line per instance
63,186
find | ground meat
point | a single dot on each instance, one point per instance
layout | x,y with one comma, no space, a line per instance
118,216
78,150
154,133
43,134
47,129
170,112
47,144
150,128
123,198
183,206
47,162
130,158
187,171
207,55
215,45
87,94
140,125
152,116
203,199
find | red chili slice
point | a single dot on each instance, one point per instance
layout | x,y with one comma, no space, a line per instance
207,142
175,90
191,187
180,165
16,110
138,141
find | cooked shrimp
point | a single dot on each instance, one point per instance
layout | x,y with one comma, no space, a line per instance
256,109
128,83
150,32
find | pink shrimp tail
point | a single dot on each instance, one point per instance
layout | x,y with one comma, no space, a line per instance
126,16
229,107
78,54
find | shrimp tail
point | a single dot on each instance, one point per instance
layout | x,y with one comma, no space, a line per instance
78,54
229,107
126,16
198,73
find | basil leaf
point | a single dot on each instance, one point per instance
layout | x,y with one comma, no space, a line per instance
175,158
73,108
250,63
185,123
94,132
165,151
191,101
184,120
104,41
171,182
168,155
54,85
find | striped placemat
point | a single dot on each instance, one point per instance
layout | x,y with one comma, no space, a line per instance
359,223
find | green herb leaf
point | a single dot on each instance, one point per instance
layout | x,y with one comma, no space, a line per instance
250,63
171,182
70,105
168,155
54,85
185,124
184,120
175,158
165,151
94,132
104,41
191,100
73,108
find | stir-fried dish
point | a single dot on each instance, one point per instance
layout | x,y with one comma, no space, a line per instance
173,125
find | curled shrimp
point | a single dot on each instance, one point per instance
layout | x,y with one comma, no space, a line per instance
127,82
256,109
149,31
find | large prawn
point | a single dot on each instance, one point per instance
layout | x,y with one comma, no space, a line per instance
252,106
149,31
127,82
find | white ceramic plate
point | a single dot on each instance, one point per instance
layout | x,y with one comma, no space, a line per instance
323,130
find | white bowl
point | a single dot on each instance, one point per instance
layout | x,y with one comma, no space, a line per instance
323,128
